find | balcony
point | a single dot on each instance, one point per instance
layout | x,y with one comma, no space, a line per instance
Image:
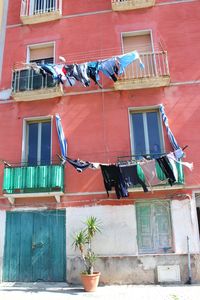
37,11
134,159
27,85
121,5
155,73
33,181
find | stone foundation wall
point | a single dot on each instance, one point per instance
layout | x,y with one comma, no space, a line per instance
135,269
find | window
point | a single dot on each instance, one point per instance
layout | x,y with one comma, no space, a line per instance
38,142
142,42
41,53
154,231
146,133
42,6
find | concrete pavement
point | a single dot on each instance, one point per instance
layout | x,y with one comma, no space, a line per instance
60,291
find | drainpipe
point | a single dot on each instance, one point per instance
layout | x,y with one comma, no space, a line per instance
189,281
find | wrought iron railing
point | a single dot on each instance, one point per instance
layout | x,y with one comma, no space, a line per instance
27,79
37,7
123,160
155,65
33,179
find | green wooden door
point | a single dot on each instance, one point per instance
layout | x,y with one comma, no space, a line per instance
35,246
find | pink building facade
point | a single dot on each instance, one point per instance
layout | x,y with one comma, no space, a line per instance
144,235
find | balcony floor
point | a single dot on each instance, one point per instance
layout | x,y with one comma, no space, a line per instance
40,18
142,83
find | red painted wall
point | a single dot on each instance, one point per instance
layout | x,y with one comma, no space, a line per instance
96,124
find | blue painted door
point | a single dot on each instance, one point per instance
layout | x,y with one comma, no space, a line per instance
35,247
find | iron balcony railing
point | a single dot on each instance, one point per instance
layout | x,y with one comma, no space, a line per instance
27,79
33,179
123,160
38,7
131,4
155,65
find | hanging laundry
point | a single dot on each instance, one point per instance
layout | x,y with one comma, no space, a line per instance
93,72
79,165
78,72
171,157
48,68
176,147
149,170
186,164
166,168
113,178
61,72
71,81
61,138
94,165
131,177
110,68
128,58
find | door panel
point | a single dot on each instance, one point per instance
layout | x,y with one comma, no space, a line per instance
35,246
26,228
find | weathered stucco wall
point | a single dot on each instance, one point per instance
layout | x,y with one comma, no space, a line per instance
184,223
136,269
119,261
118,235
2,239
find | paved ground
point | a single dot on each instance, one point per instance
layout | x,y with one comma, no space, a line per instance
61,291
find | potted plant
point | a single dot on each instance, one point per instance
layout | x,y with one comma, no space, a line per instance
83,242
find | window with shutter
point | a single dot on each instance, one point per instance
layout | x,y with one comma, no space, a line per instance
142,42
154,231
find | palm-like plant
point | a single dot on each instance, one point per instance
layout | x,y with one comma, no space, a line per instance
83,241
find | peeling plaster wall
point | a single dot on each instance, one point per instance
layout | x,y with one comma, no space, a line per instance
119,261
184,223
2,239
140,269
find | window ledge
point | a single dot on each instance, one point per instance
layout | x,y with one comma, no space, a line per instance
158,188
12,197
42,17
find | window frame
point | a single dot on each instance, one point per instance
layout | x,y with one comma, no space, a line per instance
32,5
38,46
26,121
145,109
153,225
136,33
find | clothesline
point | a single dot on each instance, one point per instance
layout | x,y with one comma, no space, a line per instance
121,176
69,74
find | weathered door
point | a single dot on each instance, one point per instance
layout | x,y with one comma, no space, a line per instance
35,246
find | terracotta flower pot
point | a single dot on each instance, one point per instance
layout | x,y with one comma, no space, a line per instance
90,281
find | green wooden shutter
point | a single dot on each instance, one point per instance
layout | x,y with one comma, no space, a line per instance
162,232
154,233
144,227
